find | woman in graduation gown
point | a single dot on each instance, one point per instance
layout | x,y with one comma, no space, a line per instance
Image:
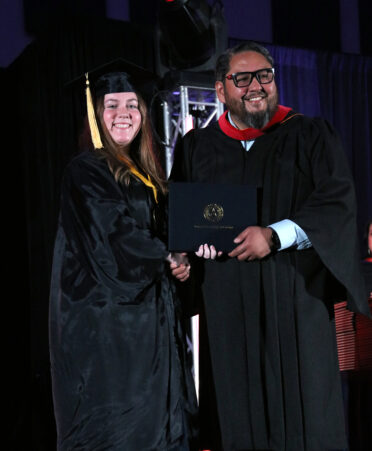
118,360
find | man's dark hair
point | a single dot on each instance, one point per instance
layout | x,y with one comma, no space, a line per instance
223,61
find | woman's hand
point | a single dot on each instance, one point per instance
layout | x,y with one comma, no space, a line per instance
208,252
180,266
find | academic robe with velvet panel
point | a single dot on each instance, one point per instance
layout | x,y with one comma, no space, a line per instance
269,325
118,362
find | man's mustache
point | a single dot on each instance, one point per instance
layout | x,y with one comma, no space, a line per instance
252,95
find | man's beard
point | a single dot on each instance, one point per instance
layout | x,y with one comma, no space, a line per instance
257,119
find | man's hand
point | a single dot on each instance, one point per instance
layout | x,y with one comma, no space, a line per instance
253,243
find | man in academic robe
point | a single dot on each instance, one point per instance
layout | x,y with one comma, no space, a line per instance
267,318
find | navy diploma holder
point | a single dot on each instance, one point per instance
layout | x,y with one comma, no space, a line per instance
205,213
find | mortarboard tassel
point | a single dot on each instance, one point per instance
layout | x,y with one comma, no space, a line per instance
94,132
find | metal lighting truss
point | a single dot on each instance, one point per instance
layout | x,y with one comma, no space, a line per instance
184,108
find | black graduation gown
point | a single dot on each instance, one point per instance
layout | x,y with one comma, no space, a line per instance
270,323
119,373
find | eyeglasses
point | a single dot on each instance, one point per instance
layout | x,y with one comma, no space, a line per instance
242,79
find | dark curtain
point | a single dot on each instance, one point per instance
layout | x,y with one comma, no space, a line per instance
42,126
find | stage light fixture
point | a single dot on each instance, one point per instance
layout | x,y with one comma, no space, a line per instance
189,34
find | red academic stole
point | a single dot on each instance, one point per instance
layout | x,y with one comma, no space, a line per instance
251,133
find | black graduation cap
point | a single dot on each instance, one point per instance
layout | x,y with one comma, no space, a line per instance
118,75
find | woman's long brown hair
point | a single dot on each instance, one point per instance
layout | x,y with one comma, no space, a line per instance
142,152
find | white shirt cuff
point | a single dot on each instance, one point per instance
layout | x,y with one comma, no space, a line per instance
291,234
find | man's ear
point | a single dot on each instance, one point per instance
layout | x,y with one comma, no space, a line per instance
220,90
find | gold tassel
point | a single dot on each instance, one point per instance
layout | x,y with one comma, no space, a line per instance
94,131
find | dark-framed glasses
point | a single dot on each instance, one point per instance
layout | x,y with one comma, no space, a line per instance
242,79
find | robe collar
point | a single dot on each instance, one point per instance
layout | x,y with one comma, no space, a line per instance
251,133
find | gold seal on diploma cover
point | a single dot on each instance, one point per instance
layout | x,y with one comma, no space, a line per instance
213,212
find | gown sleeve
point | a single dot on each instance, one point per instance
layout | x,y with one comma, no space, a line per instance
108,248
328,215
